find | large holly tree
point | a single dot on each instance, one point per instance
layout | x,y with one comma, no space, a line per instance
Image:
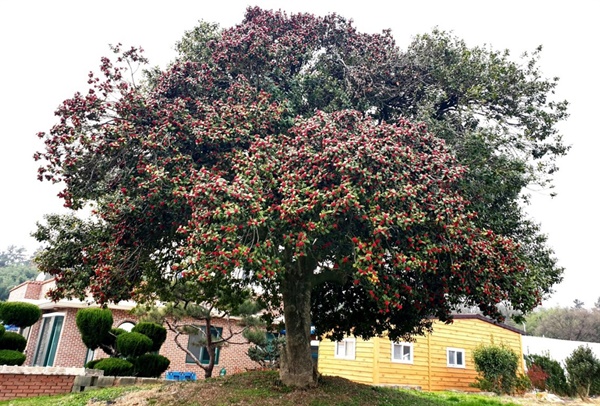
277,155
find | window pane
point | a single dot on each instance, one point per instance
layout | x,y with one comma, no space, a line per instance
397,351
451,357
349,348
48,341
196,347
459,358
406,352
340,348
43,339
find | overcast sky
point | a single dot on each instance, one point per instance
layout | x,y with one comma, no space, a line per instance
48,47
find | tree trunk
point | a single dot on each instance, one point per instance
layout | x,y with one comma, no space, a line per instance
296,361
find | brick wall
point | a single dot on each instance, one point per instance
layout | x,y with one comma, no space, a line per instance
233,357
14,386
20,382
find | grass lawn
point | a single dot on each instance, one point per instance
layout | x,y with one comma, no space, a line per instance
258,388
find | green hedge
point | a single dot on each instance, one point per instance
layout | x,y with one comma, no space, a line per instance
133,344
19,314
156,332
13,341
115,367
11,357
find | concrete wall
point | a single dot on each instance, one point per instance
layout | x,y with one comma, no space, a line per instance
558,350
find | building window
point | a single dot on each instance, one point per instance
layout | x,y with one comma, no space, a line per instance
48,338
89,356
346,348
402,352
455,357
196,345
127,326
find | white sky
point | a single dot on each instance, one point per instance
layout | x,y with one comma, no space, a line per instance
48,47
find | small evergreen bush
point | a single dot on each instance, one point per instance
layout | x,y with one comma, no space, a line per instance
497,367
150,365
115,367
2,329
133,344
19,314
156,332
94,325
584,369
11,357
13,341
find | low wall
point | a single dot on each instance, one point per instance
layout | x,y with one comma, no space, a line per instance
21,382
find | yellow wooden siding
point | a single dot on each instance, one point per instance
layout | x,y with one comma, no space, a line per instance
359,369
373,363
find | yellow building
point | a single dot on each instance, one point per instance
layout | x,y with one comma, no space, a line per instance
442,360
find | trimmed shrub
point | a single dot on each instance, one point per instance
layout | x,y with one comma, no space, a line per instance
115,367
583,368
156,332
150,365
94,324
553,374
19,314
13,341
133,344
497,367
11,357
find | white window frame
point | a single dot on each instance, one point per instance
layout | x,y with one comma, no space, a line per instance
456,351
341,348
403,344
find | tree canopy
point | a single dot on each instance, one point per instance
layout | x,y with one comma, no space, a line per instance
15,268
281,154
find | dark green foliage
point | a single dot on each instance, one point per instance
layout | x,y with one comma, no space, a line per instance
15,268
11,357
556,381
92,364
584,369
497,368
150,365
13,275
2,329
156,332
94,324
566,323
19,314
133,344
13,341
115,367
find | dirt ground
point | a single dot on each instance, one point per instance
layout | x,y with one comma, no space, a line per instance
156,396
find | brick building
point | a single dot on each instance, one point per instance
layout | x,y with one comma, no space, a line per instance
55,339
